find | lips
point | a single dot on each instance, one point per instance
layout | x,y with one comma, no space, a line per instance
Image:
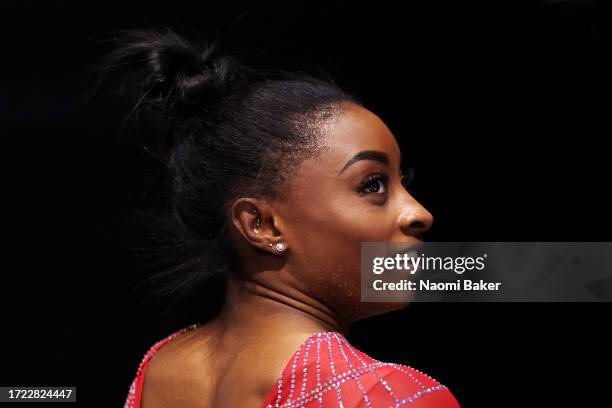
411,253
410,249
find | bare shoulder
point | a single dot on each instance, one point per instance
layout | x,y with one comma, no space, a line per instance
181,372
200,369
257,367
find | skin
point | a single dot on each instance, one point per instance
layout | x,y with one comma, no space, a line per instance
312,286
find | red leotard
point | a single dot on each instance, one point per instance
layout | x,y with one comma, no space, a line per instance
326,371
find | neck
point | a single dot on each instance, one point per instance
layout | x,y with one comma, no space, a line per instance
254,305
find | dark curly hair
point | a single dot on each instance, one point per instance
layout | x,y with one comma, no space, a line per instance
223,130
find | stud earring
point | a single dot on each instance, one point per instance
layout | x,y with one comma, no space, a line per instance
280,247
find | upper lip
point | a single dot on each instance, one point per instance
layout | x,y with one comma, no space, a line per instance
409,248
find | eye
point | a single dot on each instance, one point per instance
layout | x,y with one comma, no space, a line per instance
376,184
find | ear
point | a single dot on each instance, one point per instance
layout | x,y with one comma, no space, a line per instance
256,223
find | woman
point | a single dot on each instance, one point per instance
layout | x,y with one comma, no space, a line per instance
277,178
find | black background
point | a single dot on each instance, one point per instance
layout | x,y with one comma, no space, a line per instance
501,108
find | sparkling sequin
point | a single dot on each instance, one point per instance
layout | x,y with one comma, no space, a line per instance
346,378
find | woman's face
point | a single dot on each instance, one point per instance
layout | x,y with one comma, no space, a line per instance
350,193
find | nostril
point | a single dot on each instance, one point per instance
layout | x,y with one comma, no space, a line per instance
418,225
416,229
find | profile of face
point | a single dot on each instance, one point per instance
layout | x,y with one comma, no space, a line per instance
351,192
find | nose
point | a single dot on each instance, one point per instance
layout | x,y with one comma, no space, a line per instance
414,219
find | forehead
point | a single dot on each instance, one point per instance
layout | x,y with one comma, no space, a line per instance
354,130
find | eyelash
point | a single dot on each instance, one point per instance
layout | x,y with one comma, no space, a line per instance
371,179
404,181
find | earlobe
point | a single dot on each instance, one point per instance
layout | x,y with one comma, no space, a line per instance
280,247
257,225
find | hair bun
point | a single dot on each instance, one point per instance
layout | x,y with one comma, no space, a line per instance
204,78
167,72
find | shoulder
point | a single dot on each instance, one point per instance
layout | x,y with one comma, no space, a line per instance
135,393
328,370
398,385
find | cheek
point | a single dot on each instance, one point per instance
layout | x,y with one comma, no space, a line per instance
329,240
347,221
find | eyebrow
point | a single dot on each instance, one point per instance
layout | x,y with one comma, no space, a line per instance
369,155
